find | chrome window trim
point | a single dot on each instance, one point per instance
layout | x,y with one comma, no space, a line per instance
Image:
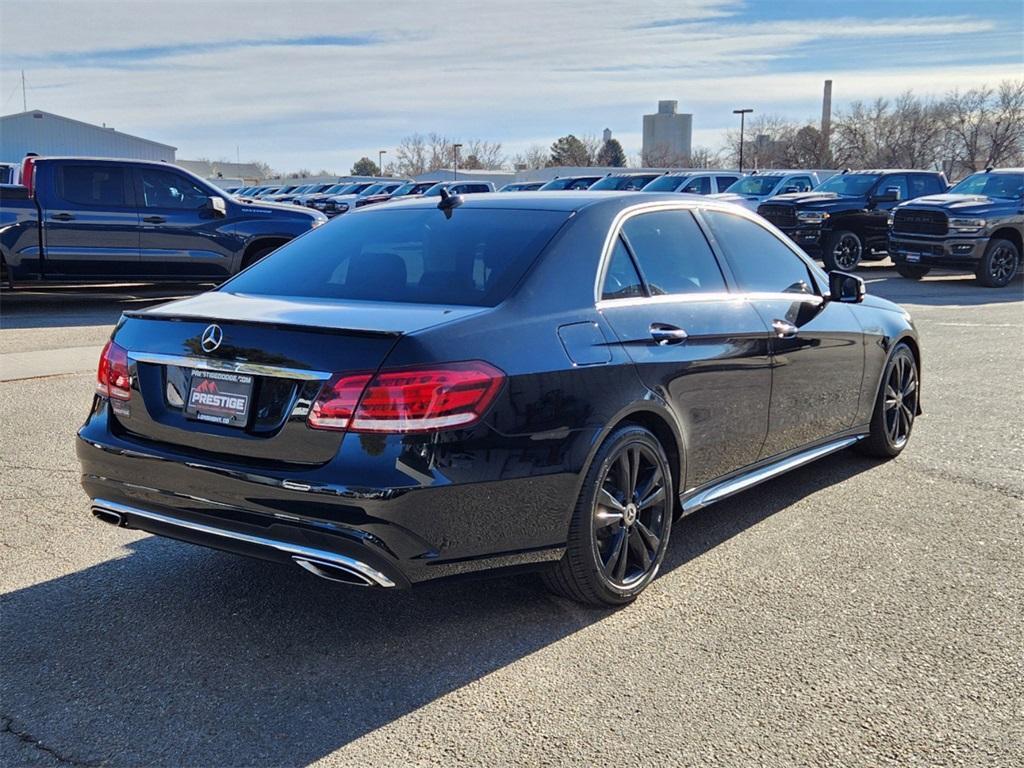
716,296
695,205
229,366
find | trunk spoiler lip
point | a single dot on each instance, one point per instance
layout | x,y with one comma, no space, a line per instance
142,314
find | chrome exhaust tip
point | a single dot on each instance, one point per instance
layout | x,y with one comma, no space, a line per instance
335,572
108,516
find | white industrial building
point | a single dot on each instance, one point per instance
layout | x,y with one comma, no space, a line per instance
45,133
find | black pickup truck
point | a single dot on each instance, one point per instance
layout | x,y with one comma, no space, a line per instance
845,220
978,225
98,219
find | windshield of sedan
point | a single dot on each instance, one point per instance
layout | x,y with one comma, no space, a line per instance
415,255
849,184
667,183
569,182
755,185
624,183
1004,185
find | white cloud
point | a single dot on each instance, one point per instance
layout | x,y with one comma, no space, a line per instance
507,72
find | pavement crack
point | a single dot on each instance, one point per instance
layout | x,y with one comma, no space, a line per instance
27,738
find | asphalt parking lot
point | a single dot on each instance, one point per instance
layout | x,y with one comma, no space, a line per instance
850,613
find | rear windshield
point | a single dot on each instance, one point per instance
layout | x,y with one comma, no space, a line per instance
474,258
624,183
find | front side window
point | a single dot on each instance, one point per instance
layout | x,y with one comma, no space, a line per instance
701,185
848,184
897,182
164,189
760,261
800,183
622,280
415,255
754,185
98,185
673,254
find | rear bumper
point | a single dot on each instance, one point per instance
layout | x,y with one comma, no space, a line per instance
435,526
956,252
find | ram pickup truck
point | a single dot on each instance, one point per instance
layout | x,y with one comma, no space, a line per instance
845,220
978,225
77,218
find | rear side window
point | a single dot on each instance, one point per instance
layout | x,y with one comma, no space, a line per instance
98,185
415,255
673,254
760,261
622,280
924,184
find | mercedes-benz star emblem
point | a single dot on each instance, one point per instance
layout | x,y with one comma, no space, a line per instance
212,338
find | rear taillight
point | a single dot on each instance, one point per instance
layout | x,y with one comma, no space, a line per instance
112,378
409,400
28,173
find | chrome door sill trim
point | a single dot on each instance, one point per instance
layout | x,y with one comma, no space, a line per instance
747,480
229,366
323,555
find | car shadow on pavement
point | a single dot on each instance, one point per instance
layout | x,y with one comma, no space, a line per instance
178,655
941,288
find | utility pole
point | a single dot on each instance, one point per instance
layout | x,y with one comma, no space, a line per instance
742,113
455,150
380,160
24,99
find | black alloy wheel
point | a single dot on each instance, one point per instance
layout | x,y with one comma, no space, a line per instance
621,525
629,517
896,406
999,265
844,251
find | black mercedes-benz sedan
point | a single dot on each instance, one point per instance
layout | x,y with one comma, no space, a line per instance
533,380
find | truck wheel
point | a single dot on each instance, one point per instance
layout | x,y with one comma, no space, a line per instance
999,265
912,271
844,251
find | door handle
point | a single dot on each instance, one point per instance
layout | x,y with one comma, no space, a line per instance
663,333
784,329
154,219
62,217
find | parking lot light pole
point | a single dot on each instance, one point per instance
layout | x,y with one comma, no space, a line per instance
455,171
380,160
742,113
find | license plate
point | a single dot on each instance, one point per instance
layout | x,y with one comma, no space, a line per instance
222,398
912,257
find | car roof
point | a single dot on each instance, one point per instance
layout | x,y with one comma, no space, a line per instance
550,201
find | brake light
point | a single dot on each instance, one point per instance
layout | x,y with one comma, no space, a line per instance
409,400
28,173
113,378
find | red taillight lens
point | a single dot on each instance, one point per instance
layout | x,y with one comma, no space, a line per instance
113,378
28,173
412,400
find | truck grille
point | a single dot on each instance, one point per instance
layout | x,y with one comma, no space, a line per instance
918,222
782,216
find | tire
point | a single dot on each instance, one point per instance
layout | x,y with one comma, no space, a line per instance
844,251
616,541
912,271
999,265
256,255
896,406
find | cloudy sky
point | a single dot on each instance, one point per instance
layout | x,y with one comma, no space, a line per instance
319,84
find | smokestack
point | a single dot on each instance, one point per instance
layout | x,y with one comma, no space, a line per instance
826,114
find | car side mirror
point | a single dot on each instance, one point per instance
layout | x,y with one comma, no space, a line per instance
846,288
215,206
787,190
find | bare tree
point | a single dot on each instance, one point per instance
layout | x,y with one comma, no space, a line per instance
411,155
487,155
984,126
535,156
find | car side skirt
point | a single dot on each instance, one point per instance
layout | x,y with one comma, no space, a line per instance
698,498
